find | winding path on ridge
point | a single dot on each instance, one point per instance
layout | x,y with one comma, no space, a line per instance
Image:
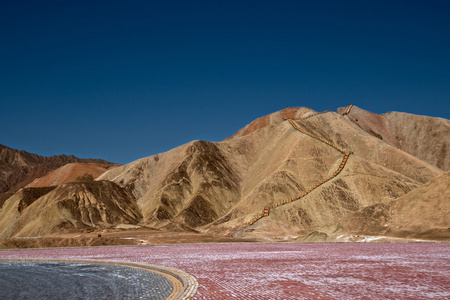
266,211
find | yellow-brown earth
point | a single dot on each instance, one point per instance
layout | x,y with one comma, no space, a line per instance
204,191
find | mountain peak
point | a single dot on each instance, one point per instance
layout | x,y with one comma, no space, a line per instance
274,179
273,118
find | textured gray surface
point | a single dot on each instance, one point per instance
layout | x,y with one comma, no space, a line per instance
56,280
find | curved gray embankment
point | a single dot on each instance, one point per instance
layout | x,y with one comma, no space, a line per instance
91,279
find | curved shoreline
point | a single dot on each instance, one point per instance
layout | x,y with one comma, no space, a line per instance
184,284
308,270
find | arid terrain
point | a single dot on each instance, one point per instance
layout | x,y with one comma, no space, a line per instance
19,168
293,175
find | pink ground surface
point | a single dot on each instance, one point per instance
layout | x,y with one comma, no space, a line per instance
290,271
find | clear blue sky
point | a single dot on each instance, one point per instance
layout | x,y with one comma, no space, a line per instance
121,80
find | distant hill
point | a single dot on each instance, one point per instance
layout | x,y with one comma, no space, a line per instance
19,168
70,173
292,175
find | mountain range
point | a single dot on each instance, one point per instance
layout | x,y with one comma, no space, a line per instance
293,175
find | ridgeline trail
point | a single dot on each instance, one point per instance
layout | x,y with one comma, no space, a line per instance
266,211
347,111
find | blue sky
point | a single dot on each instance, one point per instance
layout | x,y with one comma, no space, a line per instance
121,80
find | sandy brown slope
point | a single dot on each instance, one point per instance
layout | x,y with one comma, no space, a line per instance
191,185
19,168
424,137
422,213
70,173
375,173
218,187
273,118
68,207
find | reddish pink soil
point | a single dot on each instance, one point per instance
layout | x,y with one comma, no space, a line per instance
290,271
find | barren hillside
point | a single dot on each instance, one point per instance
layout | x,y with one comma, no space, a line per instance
422,213
221,187
67,208
19,168
421,136
70,173
292,175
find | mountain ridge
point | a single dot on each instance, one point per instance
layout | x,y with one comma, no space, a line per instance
295,174
19,168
